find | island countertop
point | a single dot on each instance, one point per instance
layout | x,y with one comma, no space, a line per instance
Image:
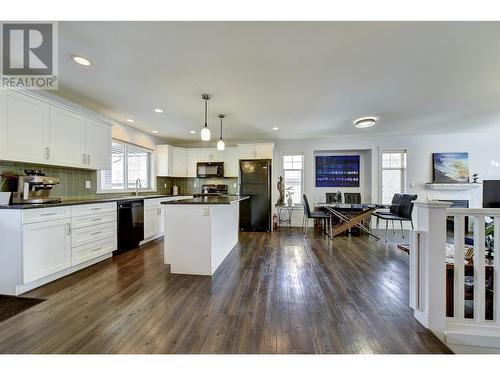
226,199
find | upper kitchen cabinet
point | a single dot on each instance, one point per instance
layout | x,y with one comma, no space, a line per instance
67,138
163,160
97,145
256,151
39,130
232,162
207,155
24,128
192,159
179,162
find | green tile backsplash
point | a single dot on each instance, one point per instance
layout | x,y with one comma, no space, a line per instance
72,184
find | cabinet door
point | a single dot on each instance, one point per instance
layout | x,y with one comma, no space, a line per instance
264,152
218,155
24,128
97,145
67,138
192,159
179,162
246,152
151,221
204,155
46,248
163,160
231,164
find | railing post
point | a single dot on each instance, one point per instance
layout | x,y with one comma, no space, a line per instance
428,270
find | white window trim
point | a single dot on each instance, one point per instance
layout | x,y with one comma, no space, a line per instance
152,174
381,169
297,205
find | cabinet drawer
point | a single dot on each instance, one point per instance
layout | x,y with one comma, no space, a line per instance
154,201
83,236
91,209
36,215
85,221
83,253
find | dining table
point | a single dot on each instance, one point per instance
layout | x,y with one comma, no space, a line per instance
350,215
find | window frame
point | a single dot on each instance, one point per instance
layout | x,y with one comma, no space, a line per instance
283,169
151,172
382,169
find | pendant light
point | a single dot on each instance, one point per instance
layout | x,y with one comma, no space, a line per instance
221,145
205,131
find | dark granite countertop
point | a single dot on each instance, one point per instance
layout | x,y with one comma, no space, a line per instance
84,201
225,199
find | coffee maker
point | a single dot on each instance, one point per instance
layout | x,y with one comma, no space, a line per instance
35,187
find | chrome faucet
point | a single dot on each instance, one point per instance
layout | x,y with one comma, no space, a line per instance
137,186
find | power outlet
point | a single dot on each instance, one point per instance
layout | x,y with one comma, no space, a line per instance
165,185
88,184
234,185
195,185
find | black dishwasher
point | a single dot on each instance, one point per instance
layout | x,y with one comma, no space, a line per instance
130,224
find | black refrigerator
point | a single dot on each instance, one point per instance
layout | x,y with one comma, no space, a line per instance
255,181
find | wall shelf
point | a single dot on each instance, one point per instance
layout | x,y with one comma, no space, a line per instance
452,186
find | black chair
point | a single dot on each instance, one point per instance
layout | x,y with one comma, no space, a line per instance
333,197
320,215
352,198
400,210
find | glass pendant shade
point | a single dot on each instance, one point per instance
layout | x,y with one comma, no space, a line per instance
221,145
205,134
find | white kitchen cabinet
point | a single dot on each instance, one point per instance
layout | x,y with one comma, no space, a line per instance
204,155
179,162
24,128
232,164
218,155
46,248
153,217
97,145
163,160
264,151
192,159
246,152
67,138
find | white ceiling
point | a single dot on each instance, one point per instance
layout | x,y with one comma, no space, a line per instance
311,79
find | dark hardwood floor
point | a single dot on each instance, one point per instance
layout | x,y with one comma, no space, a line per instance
275,293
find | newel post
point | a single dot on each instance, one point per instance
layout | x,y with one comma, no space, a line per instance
428,265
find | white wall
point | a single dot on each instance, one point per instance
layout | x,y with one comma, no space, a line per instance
483,148
129,134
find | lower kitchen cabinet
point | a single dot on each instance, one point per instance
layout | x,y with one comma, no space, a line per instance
153,218
46,248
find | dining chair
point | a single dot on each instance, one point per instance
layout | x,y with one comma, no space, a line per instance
320,215
352,198
401,209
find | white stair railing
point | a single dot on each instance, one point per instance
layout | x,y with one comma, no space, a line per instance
428,270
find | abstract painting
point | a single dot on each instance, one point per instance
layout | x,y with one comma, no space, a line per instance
337,171
451,167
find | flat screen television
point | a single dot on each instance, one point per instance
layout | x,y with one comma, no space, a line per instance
337,171
491,193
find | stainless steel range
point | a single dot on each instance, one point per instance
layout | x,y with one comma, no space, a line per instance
212,190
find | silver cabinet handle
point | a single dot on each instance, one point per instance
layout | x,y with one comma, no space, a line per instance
83,159
97,249
95,233
88,159
49,214
47,153
96,208
97,219
69,229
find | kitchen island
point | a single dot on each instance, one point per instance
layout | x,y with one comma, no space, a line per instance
200,233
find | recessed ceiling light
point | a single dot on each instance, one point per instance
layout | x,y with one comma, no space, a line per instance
192,132
365,122
129,120
81,60
158,110
275,128
154,131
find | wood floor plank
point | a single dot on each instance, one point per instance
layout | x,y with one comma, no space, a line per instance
275,293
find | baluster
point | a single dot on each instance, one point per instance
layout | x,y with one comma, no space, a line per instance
496,269
479,274
458,268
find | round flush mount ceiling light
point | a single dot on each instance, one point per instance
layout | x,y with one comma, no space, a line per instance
192,132
81,60
365,122
158,110
154,131
275,128
129,120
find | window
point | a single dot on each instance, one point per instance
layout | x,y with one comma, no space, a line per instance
292,176
128,163
393,174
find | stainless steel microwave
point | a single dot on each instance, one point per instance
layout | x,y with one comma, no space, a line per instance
210,169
